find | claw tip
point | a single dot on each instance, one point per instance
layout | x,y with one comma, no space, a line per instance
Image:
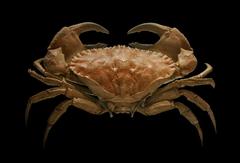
213,84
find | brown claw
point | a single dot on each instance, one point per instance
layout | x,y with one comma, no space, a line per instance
88,26
68,38
151,27
170,43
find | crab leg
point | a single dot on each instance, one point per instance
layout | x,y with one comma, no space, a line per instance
166,105
47,94
205,72
192,97
80,103
202,104
88,106
51,93
188,114
55,115
46,80
185,82
38,65
156,108
40,68
192,81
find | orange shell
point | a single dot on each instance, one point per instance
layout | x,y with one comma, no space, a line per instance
122,71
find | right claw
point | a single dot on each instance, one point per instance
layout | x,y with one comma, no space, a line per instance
151,27
170,43
88,26
68,38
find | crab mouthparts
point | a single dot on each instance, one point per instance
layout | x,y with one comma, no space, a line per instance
123,109
126,109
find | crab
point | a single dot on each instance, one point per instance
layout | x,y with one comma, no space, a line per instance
143,78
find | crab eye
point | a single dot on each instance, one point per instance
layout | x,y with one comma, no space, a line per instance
54,61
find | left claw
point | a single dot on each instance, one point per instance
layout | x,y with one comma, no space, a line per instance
170,43
68,38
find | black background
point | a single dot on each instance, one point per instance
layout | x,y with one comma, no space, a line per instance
80,135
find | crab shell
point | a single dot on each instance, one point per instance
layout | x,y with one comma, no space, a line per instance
123,74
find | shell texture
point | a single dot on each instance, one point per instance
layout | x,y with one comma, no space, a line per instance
122,71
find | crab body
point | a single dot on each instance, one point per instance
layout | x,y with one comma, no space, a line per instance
144,78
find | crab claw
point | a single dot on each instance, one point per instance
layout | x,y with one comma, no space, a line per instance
68,38
171,43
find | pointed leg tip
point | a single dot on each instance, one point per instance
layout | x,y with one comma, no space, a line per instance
132,114
212,117
200,133
30,71
111,114
213,84
48,128
215,128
